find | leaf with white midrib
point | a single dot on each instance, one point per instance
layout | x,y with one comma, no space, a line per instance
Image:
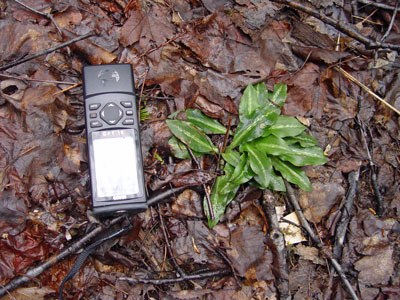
292,174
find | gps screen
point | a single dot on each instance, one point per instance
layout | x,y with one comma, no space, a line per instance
115,164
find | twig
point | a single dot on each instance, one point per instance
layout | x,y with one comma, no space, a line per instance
377,4
46,15
301,216
391,22
375,187
174,280
34,272
67,89
171,254
365,88
209,204
316,240
38,80
59,46
340,25
277,242
341,227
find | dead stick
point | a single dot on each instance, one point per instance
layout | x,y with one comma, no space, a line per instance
277,242
377,4
391,22
341,227
36,271
209,203
375,187
365,88
340,25
316,240
46,15
38,80
59,46
174,280
171,254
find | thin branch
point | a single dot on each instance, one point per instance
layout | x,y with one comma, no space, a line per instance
340,25
38,80
209,204
171,254
315,239
277,242
46,15
341,227
59,46
300,215
74,248
391,22
34,272
175,280
375,187
365,88
377,4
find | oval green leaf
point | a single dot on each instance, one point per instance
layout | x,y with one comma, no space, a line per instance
304,139
179,149
191,136
231,157
279,94
272,145
208,125
292,173
300,156
285,126
249,101
260,163
254,126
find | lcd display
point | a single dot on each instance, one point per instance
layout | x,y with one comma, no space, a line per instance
115,155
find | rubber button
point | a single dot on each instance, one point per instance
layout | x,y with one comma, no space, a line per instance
111,113
128,122
94,106
126,104
129,112
95,124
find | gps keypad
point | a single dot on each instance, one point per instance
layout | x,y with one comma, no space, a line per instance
111,113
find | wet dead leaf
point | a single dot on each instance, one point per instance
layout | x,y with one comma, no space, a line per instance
148,31
249,255
188,203
318,203
382,271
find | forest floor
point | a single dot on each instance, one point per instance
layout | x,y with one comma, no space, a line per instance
339,59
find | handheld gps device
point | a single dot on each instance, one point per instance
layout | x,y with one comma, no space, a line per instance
112,131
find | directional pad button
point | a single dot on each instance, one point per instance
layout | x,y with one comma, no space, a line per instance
111,113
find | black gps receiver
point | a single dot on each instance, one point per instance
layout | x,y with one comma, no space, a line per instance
112,131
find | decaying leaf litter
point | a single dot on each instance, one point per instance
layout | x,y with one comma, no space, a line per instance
202,55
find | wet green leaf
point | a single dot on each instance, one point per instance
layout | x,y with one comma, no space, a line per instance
276,183
231,157
242,172
260,163
203,122
279,94
285,126
304,139
254,97
272,145
254,126
300,156
191,136
220,197
292,173
179,150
